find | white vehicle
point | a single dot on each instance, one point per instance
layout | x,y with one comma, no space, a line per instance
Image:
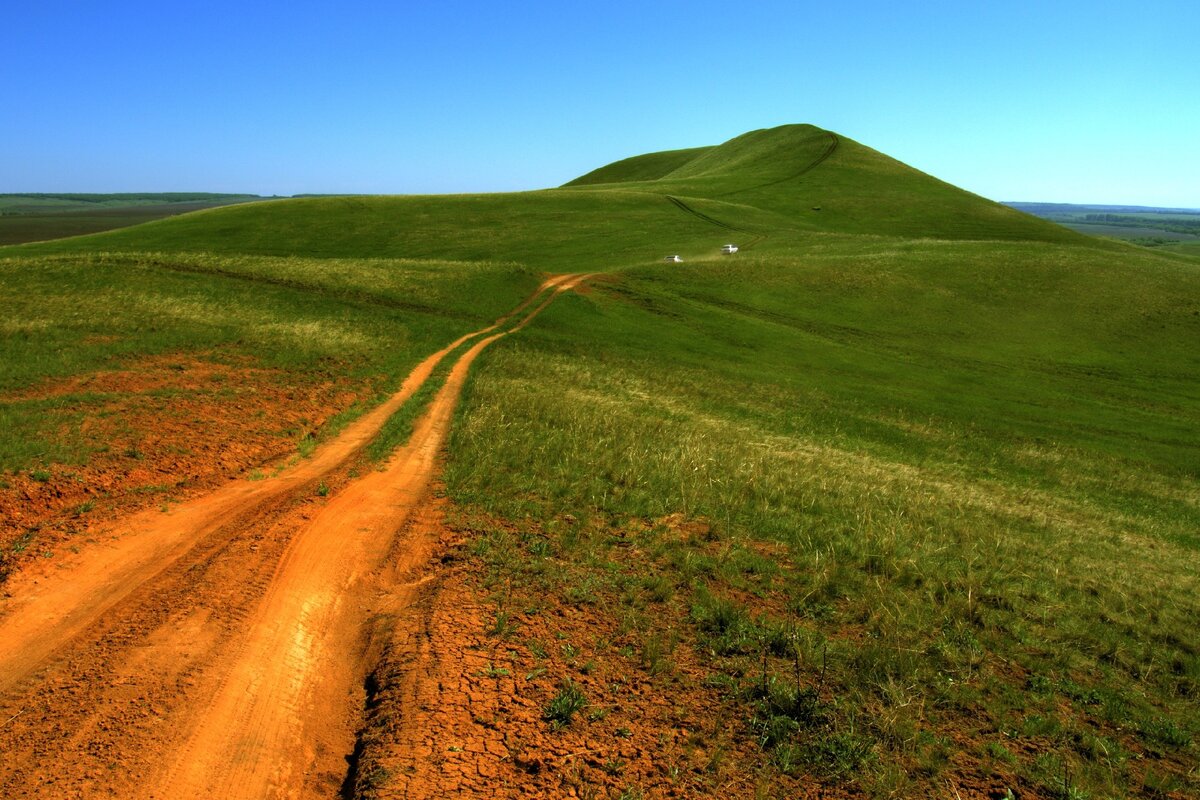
729,249
675,259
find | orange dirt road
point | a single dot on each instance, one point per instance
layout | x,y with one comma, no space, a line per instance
220,649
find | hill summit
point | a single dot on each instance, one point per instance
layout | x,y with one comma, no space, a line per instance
817,179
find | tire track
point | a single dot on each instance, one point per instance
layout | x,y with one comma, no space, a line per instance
256,738
682,206
104,661
829,150
43,617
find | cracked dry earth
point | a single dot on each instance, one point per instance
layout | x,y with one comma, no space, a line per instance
223,648
456,704
457,710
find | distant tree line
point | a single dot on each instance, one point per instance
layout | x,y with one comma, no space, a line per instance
1174,225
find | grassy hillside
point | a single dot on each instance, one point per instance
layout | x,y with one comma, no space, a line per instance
818,180
760,187
1184,248
555,231
940,499
914,477
649,167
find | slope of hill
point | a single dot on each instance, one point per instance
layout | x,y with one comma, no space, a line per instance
548,229
649,167
901,500
818,180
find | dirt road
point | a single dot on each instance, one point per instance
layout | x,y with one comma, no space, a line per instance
219,650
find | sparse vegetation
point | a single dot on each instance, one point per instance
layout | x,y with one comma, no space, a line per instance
569,701
366,322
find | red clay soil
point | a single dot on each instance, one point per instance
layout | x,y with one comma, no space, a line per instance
162,430
168,428
458,705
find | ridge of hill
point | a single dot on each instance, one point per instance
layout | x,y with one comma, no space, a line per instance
818,180
648,167
790,180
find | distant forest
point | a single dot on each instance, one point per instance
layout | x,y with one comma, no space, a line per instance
1072,209
1144,225
1177,222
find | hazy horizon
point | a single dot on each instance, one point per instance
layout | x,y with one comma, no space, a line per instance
1076,103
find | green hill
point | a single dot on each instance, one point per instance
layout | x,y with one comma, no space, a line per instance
765,185
821,181
649,167
912,480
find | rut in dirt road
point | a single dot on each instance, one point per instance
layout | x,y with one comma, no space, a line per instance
257,737
41,617
220,650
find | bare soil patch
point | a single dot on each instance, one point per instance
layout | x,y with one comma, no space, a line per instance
461,701
156,432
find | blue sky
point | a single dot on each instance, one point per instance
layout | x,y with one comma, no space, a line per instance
1055,101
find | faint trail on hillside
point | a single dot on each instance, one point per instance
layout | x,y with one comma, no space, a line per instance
682,206
829,150
108,662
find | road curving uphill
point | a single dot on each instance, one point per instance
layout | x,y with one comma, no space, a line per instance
219,650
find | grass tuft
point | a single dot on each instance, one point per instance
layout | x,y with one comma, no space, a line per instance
564,705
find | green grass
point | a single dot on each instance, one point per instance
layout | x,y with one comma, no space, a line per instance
814,180
1191,249
942,455
760,184
649,167
980,456
563,707
364,322
399,426
552,231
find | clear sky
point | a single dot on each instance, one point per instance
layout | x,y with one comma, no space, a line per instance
1059,100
